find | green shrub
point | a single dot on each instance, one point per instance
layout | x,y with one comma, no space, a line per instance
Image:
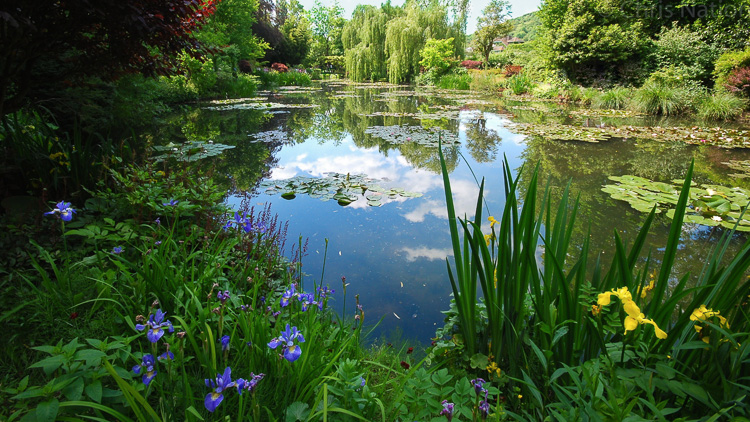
615,98
721,106
681,47
589,96
486,81
728,62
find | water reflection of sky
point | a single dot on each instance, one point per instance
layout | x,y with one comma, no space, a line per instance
393,256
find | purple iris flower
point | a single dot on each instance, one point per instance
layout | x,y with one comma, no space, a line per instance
325,291
447,410
478,385
225,343
286,296
166,355
117,250
307,299
156,325
148,366
250,384
260,227
171,203
227,225
63,210
291,351
223,296
221,383
484,408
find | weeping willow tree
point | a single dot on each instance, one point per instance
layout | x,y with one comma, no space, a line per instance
363,38
406,36
458,27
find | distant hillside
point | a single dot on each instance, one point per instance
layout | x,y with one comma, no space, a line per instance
525,27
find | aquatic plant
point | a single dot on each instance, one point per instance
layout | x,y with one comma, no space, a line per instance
614,99
663,99
721,106
189,151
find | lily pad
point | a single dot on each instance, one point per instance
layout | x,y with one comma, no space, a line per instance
190,151
709,205
343,188
401,134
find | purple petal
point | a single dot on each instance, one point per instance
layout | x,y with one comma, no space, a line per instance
292,353
140,327
212,401
148,376
137,369
274,343
155,334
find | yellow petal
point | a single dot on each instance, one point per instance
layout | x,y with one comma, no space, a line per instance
604,299
698,328
624,294
630,324
631,309
659,332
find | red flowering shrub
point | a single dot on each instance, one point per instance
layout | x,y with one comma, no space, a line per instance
512,70
279,67
738,81
471,64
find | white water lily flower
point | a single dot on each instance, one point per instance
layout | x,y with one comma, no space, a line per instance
716,218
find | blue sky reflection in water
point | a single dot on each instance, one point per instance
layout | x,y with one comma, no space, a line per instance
393,256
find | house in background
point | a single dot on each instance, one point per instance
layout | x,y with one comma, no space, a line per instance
501,44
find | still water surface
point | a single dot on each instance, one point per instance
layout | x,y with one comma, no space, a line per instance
394,255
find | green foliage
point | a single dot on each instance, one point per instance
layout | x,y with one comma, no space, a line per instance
519,84
526,27
721,105
588,37
683,48
729,61
327,29
271,78
363,39
461,81
407,35
492,24
437,56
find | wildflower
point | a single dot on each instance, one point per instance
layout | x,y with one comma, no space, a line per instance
492,367
596,310
225,343
487,238
635,317
291,351
156,325
651,284
221,383
166,355
157,243
286,296
520,397
171,203
447,410
405,365
117,250
246,308
148,365
701,314
307,299
250,384
492,221
260,227
409,350
158,221
223,296
478,384
622,293
484,408
64,210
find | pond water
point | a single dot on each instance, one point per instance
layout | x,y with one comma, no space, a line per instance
386,230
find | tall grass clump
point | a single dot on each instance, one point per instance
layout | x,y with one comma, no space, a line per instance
721,105
519,84
661,99
486,81
455,81
550,321
614,99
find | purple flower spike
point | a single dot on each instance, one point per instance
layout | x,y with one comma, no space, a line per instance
484,408
447,410
250,384
148,366
223,296
63,210
478,385
221,383
225,343
290,350
156,325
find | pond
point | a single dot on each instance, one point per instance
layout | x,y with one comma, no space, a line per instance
354,169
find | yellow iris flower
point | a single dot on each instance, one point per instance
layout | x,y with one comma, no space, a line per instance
635,316
701,314
492,221
606,298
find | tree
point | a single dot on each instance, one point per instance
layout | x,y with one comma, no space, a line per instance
363,38
327,26
48,43
229,32
491,25
437,56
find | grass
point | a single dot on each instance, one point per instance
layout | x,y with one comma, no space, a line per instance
455,81
660,99
721,106
614,99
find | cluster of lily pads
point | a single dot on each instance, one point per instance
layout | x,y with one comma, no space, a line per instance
740,166
254,105
401,134
709,205
269,136
717,136
190,151
343,188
